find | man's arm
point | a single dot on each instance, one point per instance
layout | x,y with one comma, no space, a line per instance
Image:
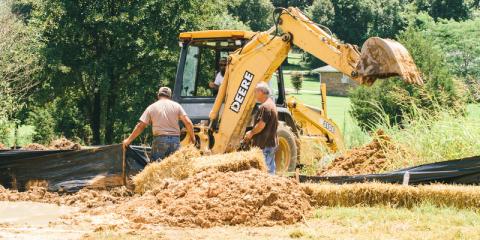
189,125
256,129
136,131
212,85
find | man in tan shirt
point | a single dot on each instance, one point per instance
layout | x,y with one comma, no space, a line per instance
163,115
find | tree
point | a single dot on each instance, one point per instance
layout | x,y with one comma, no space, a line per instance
459,40
297,80
257,14
445,9
19,61
355,21
302,4
106,59
395,98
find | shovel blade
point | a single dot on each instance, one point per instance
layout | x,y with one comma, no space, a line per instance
383,58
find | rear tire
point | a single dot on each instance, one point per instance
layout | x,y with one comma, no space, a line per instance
287,152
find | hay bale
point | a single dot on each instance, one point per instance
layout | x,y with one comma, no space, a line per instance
235,161
383,194
64,144
178,166
187,161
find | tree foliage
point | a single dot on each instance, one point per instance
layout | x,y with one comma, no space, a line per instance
459,40
297,81
302,4
445,9
257,14
109,58
19,60
355,21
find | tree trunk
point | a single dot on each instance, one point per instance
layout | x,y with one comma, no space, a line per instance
110,118
96,116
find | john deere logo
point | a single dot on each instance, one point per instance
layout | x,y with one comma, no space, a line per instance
242,91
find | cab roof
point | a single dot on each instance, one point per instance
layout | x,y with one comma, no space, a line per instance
214,34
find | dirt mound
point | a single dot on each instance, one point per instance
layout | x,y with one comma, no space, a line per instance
187,161
85,198
213,198
35,147
367,159
64,144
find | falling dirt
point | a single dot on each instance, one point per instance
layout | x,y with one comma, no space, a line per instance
367,159
214,198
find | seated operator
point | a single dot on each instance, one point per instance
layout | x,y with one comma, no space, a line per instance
215,85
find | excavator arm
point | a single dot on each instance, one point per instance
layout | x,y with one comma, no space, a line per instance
379,58
265,52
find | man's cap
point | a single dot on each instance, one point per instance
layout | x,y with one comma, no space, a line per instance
165,91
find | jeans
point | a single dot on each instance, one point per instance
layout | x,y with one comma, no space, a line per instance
163,146
269,154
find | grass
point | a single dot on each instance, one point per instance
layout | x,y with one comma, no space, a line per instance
423,222
430,139
24,135
309,83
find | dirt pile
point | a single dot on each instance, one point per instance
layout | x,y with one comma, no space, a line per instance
85,198
35,147
213,198
57,144
64,144
367,159
187,161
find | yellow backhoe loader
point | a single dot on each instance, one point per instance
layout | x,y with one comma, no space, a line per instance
221,118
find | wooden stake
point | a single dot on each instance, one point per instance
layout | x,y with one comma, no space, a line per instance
124,165
297,174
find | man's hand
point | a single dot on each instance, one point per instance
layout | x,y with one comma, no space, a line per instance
212,84
126,142
248,136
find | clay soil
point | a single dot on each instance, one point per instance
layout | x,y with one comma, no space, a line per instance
213,198
370,158
207,199
57,144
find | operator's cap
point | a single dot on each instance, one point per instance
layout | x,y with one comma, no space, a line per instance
165,91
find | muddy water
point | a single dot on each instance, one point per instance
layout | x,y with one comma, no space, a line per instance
31,220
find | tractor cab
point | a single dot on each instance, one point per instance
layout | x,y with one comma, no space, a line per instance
199,64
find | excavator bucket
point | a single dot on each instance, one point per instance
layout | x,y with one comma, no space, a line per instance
382,58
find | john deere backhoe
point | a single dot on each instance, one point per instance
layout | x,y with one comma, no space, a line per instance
222,119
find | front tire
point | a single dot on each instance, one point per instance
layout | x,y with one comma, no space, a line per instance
287,152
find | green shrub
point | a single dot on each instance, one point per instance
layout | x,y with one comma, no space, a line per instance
44,123
297,80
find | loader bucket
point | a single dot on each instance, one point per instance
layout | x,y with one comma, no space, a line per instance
383,58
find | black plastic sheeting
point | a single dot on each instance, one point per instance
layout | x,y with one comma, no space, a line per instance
459,171
68,170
